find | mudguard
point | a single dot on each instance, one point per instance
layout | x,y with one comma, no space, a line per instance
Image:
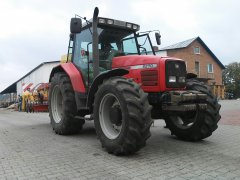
74,75
99,80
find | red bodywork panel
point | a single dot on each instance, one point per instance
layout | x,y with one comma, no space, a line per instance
136,64
75,76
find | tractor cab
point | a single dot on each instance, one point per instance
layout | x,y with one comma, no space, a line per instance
114,38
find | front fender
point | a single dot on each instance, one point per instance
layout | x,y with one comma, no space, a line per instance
99,80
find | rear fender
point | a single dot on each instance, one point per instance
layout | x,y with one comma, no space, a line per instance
99,80
74,75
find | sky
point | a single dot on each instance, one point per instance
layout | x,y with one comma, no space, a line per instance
36,31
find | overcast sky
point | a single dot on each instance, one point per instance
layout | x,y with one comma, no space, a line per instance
35,31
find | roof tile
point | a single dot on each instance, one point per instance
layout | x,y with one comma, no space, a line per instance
179,45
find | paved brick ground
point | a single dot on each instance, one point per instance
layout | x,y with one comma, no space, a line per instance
230,112
30,150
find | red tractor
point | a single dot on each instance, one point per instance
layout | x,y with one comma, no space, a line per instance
111,76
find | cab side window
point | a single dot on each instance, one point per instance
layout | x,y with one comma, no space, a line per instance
82,51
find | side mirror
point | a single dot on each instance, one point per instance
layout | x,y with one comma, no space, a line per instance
158,38
76,25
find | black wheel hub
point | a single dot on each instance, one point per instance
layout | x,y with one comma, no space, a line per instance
116,115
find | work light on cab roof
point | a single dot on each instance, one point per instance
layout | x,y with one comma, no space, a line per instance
118,23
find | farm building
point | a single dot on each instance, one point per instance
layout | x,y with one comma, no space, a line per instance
38,75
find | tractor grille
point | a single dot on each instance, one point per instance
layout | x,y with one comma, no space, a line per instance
176,69
149,77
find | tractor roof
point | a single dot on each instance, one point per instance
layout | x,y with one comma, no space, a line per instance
106,22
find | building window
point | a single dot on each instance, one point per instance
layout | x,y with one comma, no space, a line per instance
210,68
197,68
196,50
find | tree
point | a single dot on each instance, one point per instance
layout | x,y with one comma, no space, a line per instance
231,79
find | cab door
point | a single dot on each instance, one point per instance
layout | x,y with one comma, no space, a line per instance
82,55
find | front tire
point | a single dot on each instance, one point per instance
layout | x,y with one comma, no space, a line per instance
196,125
122,116
62,106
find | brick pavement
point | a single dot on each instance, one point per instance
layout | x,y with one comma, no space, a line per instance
29,149
230,112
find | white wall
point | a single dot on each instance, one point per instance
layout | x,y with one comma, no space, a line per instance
161,53
40,75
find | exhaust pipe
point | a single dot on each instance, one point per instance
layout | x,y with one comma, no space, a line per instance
95,43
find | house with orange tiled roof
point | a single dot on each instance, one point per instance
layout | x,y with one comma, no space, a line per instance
199,60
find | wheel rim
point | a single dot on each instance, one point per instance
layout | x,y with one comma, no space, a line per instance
185,121
110,129
56,104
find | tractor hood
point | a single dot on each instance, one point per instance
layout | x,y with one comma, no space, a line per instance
152,72
134,61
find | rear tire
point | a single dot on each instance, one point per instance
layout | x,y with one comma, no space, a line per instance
122,116
194,126
62,106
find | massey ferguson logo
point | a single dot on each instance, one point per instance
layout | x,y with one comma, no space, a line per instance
149,66
144,66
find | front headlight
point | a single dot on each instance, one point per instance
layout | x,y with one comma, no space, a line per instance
181,79
172,79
